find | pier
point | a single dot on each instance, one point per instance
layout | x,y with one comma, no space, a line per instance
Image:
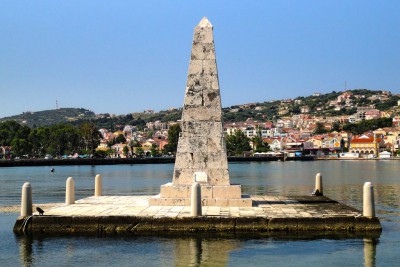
123,215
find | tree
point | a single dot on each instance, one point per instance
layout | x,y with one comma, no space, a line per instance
173,137
320,129
336,126
90,135
367,125
342,145
63,139
154,150
125,151
120,139
258,144
237,143
139,151
21,147
39,139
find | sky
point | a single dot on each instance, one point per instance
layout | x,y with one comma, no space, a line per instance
121,56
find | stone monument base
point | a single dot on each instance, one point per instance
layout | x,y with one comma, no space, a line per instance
211,195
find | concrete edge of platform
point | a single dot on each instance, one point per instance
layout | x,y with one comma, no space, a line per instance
133,224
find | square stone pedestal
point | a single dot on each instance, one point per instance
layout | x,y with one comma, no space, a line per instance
211,195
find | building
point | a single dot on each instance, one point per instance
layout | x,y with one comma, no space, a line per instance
5,152
366,145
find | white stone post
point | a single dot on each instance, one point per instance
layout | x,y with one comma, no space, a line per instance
98,186
26,200
70,191
368,200
318,184
196,200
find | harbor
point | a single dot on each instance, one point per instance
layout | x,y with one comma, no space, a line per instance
342,183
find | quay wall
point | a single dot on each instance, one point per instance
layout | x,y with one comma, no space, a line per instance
119,225
112,161
156,160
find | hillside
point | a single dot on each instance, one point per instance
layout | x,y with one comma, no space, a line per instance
326,105
49,117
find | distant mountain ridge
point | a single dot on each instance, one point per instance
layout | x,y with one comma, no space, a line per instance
50,117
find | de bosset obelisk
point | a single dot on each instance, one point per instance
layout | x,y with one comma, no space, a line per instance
201,154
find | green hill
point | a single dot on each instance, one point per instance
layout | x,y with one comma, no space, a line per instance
49,117
325,105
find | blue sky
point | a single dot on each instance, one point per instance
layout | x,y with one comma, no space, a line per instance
127,56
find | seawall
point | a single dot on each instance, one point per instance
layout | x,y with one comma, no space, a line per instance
113,161
133,214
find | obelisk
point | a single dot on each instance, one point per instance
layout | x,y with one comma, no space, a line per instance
201,154
201,146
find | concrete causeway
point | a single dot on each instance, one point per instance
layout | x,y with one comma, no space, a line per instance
133,214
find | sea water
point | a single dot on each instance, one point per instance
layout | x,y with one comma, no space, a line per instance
342,181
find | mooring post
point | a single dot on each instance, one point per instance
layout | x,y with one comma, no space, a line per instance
70,191
196,200
318,184
26,200
98,186
368,200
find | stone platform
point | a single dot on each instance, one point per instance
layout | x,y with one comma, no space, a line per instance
212,195
133,214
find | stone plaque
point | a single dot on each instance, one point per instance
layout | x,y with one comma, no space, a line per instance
200,177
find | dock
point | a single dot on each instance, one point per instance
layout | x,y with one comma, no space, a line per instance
122,215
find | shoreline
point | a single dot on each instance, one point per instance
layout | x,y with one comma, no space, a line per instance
156,160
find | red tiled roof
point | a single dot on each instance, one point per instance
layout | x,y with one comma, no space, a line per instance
365,140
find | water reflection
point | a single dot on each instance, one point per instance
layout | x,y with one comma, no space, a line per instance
369,251
25,251
197,249
203,251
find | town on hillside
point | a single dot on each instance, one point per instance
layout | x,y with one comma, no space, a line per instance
350,124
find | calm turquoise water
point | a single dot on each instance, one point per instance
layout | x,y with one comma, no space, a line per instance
342,181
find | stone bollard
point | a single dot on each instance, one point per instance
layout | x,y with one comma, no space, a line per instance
26,200
368,200
98,186
70,191
318,184
196,200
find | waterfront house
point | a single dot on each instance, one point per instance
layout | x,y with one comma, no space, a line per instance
331,143
366,145
274,144
316,141
119,150
5,152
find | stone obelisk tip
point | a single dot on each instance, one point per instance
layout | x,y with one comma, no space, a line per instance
204,23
